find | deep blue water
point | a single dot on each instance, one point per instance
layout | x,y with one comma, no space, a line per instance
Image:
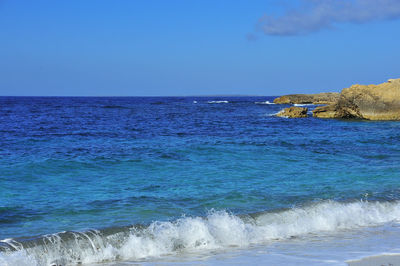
74,164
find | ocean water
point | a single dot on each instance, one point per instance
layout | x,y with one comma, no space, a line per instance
192,180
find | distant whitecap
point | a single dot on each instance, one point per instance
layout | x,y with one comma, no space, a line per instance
266,102
218,102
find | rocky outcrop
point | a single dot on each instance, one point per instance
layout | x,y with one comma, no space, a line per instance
372,102
320,98
327,111
294,112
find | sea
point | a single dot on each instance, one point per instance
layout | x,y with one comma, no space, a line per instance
192,181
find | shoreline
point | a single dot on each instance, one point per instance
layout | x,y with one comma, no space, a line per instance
385,259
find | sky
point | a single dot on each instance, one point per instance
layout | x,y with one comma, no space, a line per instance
193,47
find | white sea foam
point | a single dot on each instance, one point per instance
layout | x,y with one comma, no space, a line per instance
194,101
303,104
266,102
219,230
18,258
218,101
277,113
274,114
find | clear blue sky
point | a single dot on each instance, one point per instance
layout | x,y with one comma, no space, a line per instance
182,47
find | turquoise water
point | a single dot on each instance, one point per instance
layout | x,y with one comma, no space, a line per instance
118,173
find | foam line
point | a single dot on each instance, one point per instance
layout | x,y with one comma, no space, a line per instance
219,230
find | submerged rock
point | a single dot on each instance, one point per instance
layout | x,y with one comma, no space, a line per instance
372,102
294,112
320,98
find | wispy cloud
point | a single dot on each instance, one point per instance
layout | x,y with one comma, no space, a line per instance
315,15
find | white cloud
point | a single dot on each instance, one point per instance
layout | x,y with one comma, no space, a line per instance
315,15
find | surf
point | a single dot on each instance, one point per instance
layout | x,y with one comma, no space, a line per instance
217,231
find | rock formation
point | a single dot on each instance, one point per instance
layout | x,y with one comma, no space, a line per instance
372,102
293,112
320,98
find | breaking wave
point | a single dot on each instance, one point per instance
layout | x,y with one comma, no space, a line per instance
303,104
219,230
266,102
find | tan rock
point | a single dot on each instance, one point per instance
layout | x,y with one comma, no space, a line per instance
372,102
327,111
320,98
293,112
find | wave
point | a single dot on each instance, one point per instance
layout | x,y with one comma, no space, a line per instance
273,114
218,101
277,113
266,102
218,230
303,104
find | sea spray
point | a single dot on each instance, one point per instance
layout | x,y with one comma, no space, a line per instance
266,102
219,230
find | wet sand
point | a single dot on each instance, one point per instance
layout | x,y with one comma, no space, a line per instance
379,260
